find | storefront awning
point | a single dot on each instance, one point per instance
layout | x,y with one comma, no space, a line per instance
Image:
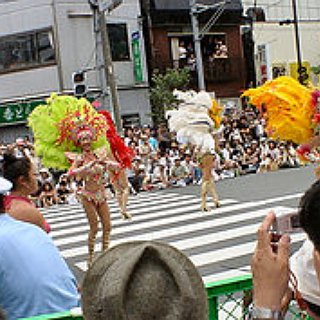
233,5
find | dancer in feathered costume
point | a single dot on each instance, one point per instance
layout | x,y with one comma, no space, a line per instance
196,121
124,156
70,134
291,111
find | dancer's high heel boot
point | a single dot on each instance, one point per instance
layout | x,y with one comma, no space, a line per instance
105,241
204,206
91,244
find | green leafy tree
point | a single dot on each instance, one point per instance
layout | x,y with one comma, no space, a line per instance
161,96
316,71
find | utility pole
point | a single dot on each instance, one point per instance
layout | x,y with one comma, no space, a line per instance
195,10
197,43
105,95
109,71
296,30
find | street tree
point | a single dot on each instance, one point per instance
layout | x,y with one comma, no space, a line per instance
161,96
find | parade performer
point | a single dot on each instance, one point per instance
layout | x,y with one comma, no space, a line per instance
197,121
70,134
123,155
292,113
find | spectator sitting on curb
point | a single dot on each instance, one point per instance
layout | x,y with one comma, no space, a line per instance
178,174
48,196
63,192
160,178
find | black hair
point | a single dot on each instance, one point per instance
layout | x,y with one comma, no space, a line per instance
313,307
63,183
2,208
2,315
309,213
14,167
47,183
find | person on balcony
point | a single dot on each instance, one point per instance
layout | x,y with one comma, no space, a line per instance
182,55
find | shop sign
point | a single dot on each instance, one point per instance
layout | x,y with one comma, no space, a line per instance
13,113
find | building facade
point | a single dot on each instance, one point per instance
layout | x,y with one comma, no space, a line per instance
43,42
275,38
171,42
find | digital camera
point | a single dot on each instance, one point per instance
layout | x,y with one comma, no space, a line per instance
286,222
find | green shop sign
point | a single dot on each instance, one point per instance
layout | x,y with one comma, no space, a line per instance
136,52
14,113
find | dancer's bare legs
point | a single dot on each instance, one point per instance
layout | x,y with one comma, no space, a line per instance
104,215
208,185
93,211
121,186
90,210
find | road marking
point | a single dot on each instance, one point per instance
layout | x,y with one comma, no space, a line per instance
62,221
128,227
182,213
134,202
156,222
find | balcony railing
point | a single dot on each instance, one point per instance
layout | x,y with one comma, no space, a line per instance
215,70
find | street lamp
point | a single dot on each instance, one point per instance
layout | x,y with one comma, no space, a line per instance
296,29
100,7
302,71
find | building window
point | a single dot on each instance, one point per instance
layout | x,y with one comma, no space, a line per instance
131,120
26,50
214,47
118,36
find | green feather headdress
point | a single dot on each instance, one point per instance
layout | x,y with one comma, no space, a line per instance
56,126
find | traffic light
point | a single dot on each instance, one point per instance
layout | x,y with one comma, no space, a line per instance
302,73
79,85
303,76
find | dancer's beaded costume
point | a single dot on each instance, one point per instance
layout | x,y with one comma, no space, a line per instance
196,121
61,127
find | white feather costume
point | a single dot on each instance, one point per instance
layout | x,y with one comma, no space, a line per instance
196,119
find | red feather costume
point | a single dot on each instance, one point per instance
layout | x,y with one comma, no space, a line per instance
120,151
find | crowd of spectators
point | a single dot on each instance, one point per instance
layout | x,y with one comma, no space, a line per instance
242,148
160,162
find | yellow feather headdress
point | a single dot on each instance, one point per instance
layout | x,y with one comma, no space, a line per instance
290,109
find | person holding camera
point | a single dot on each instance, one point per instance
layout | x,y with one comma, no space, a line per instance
270,268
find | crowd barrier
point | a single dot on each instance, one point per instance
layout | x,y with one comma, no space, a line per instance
227,299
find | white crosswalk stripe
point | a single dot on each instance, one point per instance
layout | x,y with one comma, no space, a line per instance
218,239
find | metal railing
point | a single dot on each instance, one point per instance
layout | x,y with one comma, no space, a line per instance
215,71
228,299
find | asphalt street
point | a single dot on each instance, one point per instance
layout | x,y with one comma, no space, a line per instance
220,243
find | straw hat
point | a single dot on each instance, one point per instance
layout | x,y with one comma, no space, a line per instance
143,280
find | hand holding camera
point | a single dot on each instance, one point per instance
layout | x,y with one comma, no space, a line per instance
286,222
270,269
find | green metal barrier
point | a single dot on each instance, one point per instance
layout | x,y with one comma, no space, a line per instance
228,299
225,293
56,316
